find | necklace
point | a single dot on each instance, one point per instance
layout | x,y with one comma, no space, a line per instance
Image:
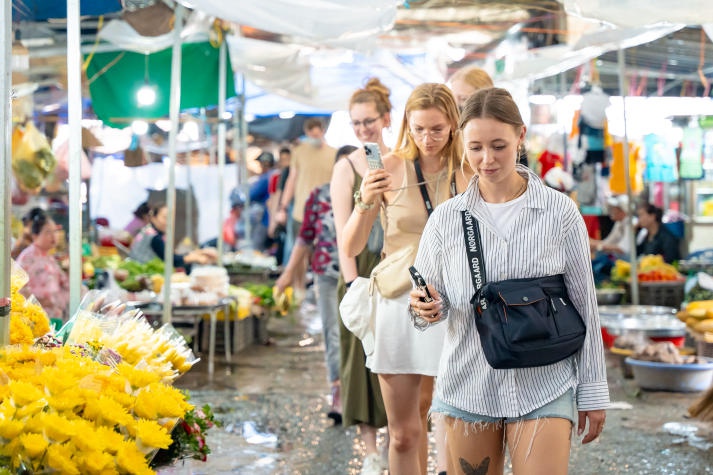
517,194
520,191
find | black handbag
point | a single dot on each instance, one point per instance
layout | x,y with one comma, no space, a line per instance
521,322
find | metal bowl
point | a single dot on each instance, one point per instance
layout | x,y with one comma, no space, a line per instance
610,296
634,310
651,320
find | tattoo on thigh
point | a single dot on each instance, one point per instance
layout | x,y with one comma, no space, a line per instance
469,469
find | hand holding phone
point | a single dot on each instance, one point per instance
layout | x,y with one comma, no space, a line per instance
418,321
373,155
420,284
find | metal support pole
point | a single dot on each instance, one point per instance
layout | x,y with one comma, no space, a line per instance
222,66
243,165
174,109
5,171
74,113
627,180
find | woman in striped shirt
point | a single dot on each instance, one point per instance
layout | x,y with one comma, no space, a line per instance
528,230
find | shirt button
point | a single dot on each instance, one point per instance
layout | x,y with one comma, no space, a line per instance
525,299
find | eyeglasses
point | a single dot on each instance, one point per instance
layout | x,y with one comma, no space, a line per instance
436,135
366,122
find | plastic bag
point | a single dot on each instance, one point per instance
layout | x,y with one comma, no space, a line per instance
109,333
32,158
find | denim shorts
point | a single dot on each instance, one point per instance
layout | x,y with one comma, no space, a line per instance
563,407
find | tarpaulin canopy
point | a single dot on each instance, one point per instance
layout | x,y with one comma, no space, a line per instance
631,13
114,79
322,21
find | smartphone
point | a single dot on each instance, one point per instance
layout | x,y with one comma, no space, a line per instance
420,284
373,155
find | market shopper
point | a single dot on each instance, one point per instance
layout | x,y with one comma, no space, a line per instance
318,236
311,165
259,193
47,281
278,231
466,81
406,359
362,402
150,243
529,410
655,237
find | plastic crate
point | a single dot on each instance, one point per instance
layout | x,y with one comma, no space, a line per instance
667,294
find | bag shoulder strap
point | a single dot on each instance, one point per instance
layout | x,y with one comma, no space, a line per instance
474,250
422,187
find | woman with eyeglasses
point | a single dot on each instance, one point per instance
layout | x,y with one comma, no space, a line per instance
405,358
48,282
361,400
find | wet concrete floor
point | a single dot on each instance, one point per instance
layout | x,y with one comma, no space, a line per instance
272,400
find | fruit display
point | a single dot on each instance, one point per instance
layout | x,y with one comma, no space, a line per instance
650,268
698,317
135,276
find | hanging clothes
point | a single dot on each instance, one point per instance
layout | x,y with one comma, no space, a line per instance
617,178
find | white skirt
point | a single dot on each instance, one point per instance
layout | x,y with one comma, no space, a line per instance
399,347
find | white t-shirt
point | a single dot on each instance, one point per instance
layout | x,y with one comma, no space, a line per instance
503,215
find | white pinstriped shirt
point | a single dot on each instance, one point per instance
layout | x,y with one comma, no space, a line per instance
548,237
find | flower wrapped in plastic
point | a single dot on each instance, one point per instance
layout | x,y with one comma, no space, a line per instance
28,321
98,326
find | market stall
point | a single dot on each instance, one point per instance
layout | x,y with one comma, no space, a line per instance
88,325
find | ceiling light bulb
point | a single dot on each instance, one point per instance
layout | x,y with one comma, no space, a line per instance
146,95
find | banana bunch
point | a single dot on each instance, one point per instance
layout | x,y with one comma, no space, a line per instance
698,316
283,300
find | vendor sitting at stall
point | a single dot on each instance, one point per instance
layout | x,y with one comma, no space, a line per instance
140,219
150,243
25,238
47,281
616,244
654,237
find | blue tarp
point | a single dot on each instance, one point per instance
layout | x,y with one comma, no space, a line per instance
42,10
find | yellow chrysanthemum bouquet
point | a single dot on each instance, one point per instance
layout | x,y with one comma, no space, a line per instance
62,412
28,320
103,328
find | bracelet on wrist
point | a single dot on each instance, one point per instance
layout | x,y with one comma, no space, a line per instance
359,203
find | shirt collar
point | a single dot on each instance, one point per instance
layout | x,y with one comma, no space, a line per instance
536,192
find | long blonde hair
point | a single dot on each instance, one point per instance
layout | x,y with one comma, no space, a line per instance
431,96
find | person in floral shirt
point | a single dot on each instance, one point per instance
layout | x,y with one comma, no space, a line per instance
48,282
318,234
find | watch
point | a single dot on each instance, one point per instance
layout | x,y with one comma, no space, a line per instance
359,203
